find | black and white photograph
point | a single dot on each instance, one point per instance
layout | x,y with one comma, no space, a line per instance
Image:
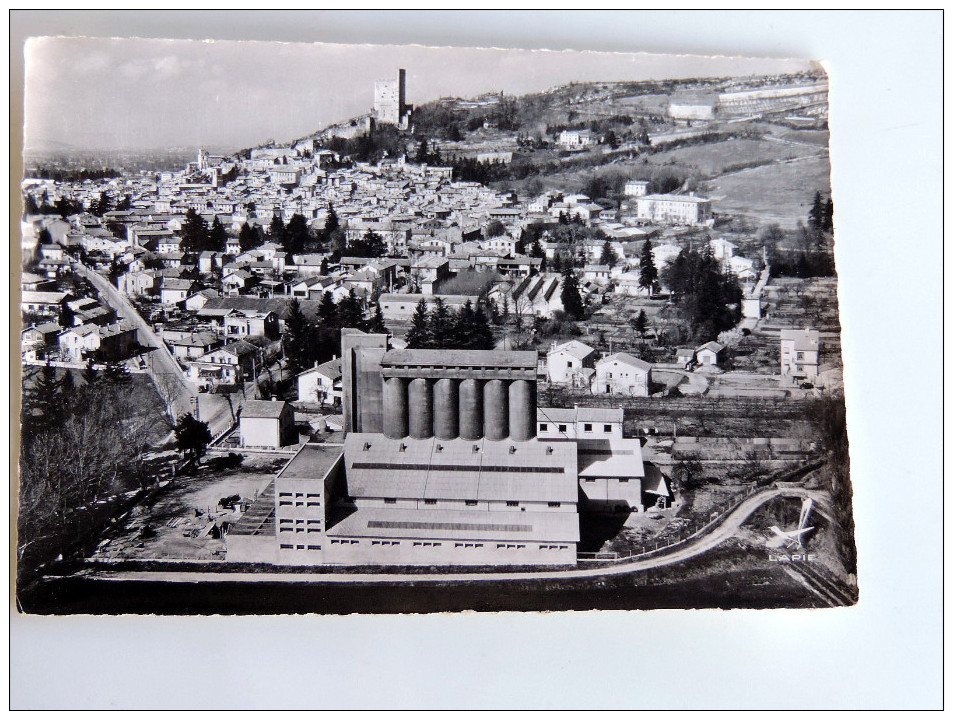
335,328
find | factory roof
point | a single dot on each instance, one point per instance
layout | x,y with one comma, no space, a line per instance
460,525
459,469
457,358
604,458
313,461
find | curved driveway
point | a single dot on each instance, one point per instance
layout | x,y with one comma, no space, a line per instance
728,527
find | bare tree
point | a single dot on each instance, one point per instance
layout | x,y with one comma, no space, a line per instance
170,388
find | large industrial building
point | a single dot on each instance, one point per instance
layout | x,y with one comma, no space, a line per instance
446,461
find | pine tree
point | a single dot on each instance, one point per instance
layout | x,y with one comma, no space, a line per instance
641,323
376,323
328,311
194,232
276,231
419,334
829,214
572,301
557,263
608,256
482,338
296,235
350,312
331,223
298,339
648,272
217,236
442,331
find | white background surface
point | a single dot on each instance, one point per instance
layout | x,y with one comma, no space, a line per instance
886,652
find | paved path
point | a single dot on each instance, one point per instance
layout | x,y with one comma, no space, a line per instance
722,532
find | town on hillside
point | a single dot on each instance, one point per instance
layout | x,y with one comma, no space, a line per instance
592,331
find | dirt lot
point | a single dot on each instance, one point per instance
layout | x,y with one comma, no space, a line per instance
171,513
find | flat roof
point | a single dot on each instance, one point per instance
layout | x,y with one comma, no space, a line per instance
460,524
451,358
313,461
504,470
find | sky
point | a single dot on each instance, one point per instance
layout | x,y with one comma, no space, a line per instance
148,93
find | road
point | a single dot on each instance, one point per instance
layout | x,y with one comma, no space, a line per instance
728,527
170,381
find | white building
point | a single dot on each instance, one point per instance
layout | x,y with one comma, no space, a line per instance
622,374
799,356
571,363
321,384
674,209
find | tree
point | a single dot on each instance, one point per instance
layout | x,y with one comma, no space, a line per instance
641,323
495,228
816,216
217,236
687,470
572,301
276,231
423,151
375,324
706,297
442,331
297,339
648,272
608,256
331,223
328,311
829,214
194,232
419,334
192,436
611,139
296,235
101,205
350,311
249,237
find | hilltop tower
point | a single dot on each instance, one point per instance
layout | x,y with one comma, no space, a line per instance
390,100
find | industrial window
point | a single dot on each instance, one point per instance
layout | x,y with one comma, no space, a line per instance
569,364
287,546
512,503
589,479
314,496
301,547
562,428
471,503
554,504
314,530
624,480
430,502
314,548
587,427
543,427
390,501
286,529
607,428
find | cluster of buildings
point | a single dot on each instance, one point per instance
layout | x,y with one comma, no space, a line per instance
446,460
808,99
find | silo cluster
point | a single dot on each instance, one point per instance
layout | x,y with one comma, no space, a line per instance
469,408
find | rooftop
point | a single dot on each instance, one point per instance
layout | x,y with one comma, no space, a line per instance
313,461
451,358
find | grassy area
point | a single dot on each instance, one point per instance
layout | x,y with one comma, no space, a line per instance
781,193
713,159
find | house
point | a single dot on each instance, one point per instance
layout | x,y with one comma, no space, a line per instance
574,140
711,354
195,345
622,374
209,261
78,342
571,363
175,291
321,384
799,356
43,303
227,365
238,281
674,209
401,307
139,283
197,301
684,356
242,324
117,341
597,274
267,424
37,341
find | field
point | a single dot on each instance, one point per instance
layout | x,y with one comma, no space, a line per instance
782,192
713,159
